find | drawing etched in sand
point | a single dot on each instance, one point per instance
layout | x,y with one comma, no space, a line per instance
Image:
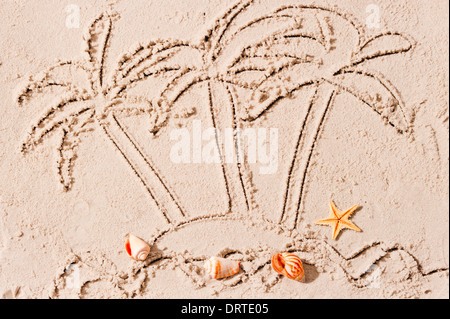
97,103
263,71
251,66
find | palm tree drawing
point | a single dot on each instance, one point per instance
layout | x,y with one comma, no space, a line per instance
291,48
340,70
198,64
284,51
90,101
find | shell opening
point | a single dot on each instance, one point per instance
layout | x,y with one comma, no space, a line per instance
128,247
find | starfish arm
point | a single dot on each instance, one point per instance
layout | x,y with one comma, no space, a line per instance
350,225
349,212
334,210
337,229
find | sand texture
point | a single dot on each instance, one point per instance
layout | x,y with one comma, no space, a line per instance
350,103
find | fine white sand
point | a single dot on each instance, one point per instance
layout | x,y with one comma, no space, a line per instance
357,96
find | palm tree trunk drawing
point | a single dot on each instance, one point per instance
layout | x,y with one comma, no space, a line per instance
145,170
309,132
338,68
90,105
224,117
284,51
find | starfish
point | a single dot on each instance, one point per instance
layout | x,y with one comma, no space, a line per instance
339,220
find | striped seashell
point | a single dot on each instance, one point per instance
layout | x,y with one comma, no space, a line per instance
219,268
288,265
137,248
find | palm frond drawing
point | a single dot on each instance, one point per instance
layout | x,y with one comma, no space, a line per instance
89,100
291,48
340,69
284,51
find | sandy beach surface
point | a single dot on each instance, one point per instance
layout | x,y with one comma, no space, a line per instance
109,113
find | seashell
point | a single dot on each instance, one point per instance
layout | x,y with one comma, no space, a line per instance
288,265
219,268
137,248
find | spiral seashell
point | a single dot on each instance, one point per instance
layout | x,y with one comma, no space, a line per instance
137,248
288,265
219,268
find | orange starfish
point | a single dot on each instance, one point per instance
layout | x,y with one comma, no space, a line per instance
339,220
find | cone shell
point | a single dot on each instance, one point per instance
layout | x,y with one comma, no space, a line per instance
136,248
288,265
219,268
